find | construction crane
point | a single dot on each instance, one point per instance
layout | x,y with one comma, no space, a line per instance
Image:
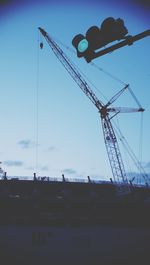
112,147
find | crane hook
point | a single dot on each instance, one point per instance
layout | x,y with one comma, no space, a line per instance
41,45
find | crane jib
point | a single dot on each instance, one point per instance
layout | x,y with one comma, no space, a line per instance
71,69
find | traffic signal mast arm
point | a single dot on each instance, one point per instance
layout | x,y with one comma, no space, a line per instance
128,41
111,143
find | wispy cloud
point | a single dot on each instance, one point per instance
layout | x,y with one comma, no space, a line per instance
147,165
26,143
51,148
41,168
44,168
30,168
13,163
69,171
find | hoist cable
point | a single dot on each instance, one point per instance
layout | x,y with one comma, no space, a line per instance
91,63
108,74
141,139
134,97
130,152
99,91
105,72
37,108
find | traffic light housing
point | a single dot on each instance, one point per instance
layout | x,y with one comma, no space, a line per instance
95,38
82,47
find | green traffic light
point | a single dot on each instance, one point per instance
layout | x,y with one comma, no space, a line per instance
83,45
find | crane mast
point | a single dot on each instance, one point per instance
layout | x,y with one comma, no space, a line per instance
112,147
113,151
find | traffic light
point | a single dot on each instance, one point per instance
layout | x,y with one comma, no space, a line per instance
81,44
95,38
82,47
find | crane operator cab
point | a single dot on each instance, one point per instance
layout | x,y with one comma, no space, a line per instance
95,38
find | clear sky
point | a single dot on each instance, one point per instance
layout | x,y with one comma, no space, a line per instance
70,139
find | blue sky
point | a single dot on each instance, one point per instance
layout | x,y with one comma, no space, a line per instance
70,139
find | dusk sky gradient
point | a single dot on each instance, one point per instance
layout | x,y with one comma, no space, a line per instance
70,138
